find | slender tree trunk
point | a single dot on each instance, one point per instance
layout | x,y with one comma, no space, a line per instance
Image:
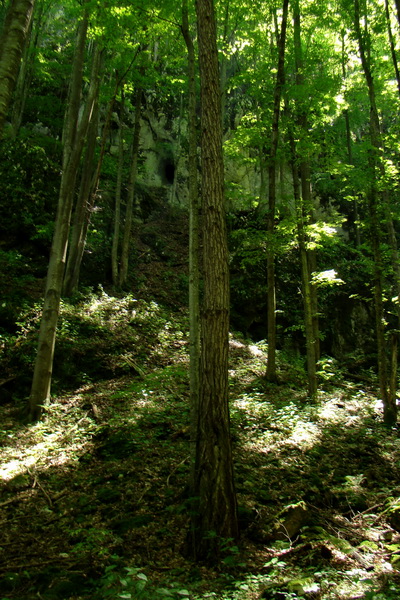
376,213
271,293
12,44
392,44
40,392
305,276
194,275
397,3
117,211
224,63
349,147
177,153
215,520
83,204
303,213
126,241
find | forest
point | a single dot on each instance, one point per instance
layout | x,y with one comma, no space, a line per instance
199,299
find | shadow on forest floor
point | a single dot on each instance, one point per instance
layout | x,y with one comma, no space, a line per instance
94,500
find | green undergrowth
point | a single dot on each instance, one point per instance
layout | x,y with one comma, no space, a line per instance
94,499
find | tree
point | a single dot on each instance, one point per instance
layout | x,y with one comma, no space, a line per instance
215,520
301,161
280,79
83,208
378,211
74,136
194,274
12,44
126,240
117,210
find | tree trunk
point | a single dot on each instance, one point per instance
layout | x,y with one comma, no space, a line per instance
377,211
349,148
303,212
123,274
224,63
40,391
392,44
194,275
117,210
271,294
215,520
397,3
83,204
305,276
12,44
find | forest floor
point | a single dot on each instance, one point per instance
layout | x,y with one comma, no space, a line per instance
94,501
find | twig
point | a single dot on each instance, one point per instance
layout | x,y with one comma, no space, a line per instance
364,512
37,482
43,563
16,499
71,429
176,468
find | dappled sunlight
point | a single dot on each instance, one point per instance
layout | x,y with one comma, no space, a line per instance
304,434
42,445
106,472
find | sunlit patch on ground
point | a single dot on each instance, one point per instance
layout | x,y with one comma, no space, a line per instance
98,490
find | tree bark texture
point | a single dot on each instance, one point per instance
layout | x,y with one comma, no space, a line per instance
194,274
215,520
12,44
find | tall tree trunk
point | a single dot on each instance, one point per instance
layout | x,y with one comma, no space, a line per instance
26,71
397,3
377,211
118,189
126,241
40,391
215,520
194,275
303,215
392,44
12,44
224,63
305,276
83,205
349,147
271,293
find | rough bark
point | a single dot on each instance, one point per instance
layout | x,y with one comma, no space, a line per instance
41,384
12,44
194,275
271,293
215,520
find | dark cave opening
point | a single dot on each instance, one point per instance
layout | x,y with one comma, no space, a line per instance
169,171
